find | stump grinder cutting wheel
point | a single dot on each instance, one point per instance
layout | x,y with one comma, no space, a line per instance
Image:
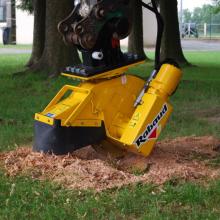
108,108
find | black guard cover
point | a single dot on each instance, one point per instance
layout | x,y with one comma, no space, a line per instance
62,140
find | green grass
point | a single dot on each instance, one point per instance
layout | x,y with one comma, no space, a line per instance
197,98
18,46
24,198
20,98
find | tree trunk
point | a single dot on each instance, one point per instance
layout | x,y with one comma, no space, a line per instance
171,44
136,42
56,55
39,31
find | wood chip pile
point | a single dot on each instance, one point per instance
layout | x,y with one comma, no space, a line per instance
188,158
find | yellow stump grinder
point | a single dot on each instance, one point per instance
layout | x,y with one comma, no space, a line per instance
108,107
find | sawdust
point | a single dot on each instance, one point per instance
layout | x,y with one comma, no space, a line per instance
186,158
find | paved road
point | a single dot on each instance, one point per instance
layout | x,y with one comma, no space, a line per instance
189,45
201,45
14,51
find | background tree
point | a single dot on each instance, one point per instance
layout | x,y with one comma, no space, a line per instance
217,5
26,5
56,54
136,42
171,43
187,16
201,15
39,9
49,53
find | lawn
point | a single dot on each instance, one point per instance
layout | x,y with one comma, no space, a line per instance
196,112
24,198
18,46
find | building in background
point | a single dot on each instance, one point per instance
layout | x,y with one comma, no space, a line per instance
19,23
2,17
150,28
8,21
25,25
2,11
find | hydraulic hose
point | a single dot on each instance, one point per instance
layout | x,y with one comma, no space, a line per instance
160,25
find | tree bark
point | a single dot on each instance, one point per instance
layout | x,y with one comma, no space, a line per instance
171,44
136,42
39,32
56,55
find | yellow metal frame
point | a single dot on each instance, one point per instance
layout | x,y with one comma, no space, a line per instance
111,102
